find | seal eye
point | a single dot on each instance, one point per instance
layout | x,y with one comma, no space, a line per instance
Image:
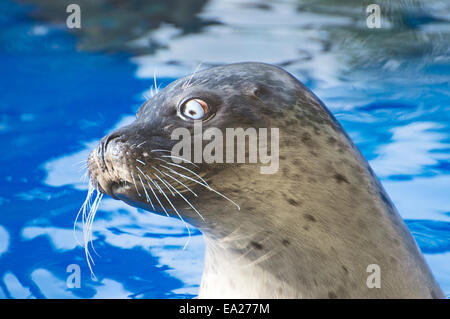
195,109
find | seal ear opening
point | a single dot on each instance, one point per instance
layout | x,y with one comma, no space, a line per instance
260,91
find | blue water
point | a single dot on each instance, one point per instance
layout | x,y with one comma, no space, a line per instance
57,101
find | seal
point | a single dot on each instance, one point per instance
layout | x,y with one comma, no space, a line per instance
321,226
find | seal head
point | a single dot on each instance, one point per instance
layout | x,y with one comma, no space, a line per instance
240,95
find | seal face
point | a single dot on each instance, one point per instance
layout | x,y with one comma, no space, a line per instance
224,97
311,229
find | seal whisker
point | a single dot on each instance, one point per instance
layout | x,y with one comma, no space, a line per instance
82,167
173,156
155,85
161,150
179,216
132,175
186,169
184,176
145,190
154,193
88,211
83,210
181,183
91,216
139,145
84,219
85,241
143,186
138,160
180,158
82,164
84,177
162,180
185,199
186,84
206,186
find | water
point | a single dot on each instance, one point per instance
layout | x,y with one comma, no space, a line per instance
61,90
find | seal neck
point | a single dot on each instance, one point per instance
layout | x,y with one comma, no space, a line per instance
308,231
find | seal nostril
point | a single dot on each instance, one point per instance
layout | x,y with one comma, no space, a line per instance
109,138
104,145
